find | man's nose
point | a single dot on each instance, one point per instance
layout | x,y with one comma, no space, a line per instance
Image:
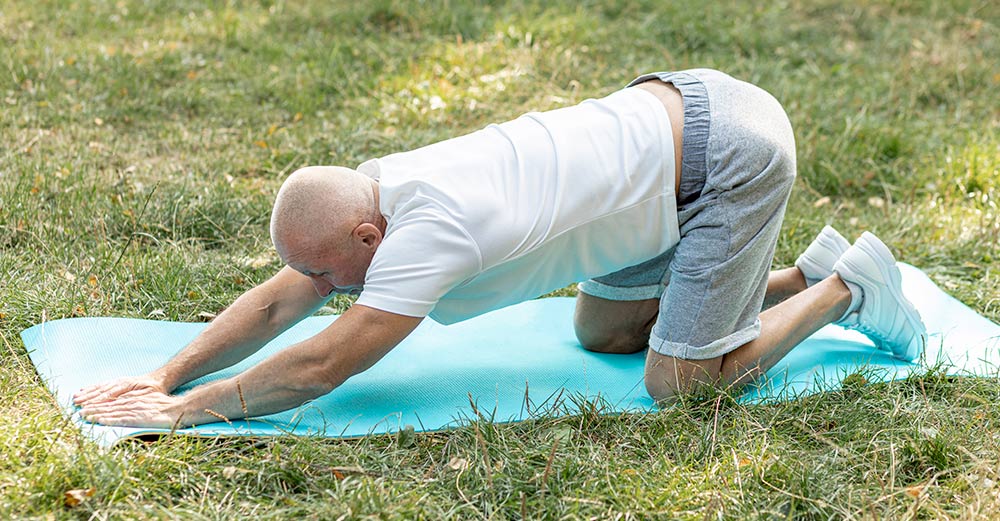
323,287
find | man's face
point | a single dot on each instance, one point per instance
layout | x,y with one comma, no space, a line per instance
326,284
344,276
331,270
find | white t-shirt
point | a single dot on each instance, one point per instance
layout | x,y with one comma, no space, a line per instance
515,210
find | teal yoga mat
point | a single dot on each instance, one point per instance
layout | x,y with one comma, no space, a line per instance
514,364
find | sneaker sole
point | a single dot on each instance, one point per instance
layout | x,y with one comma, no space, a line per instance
874,247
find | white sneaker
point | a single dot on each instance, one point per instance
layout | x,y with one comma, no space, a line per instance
884,315
816,263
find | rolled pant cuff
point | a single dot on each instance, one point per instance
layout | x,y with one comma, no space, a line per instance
604,291
714,349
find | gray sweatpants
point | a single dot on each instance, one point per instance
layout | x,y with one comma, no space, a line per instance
738,169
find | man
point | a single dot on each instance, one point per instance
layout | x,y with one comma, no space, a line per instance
670,192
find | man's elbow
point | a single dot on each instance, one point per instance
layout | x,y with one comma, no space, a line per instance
269,316
310,384
321,378
306,373
261,305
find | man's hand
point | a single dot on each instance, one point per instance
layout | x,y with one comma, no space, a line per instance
109,391
286,379
255,318
144,406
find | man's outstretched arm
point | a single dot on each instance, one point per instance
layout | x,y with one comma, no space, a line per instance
255,318
309,369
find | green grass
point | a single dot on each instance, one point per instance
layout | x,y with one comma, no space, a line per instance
143,143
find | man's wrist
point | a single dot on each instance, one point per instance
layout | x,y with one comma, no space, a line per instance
186,415
164,379
186,412
203,404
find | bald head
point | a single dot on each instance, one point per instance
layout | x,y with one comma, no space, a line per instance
320,205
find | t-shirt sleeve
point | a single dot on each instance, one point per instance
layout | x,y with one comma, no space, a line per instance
420,260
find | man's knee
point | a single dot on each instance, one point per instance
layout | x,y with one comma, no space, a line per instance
666,377
610,341
607,326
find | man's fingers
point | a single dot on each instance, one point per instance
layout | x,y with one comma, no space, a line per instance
116,404
108,392
115,419
132,419
135,392
124,403
91,410
89,390
139,401
91,413
106,407
89,393
104,393
111,390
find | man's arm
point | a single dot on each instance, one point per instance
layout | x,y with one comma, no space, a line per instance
312,368
255,318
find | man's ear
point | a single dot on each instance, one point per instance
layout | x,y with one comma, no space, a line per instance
369,234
